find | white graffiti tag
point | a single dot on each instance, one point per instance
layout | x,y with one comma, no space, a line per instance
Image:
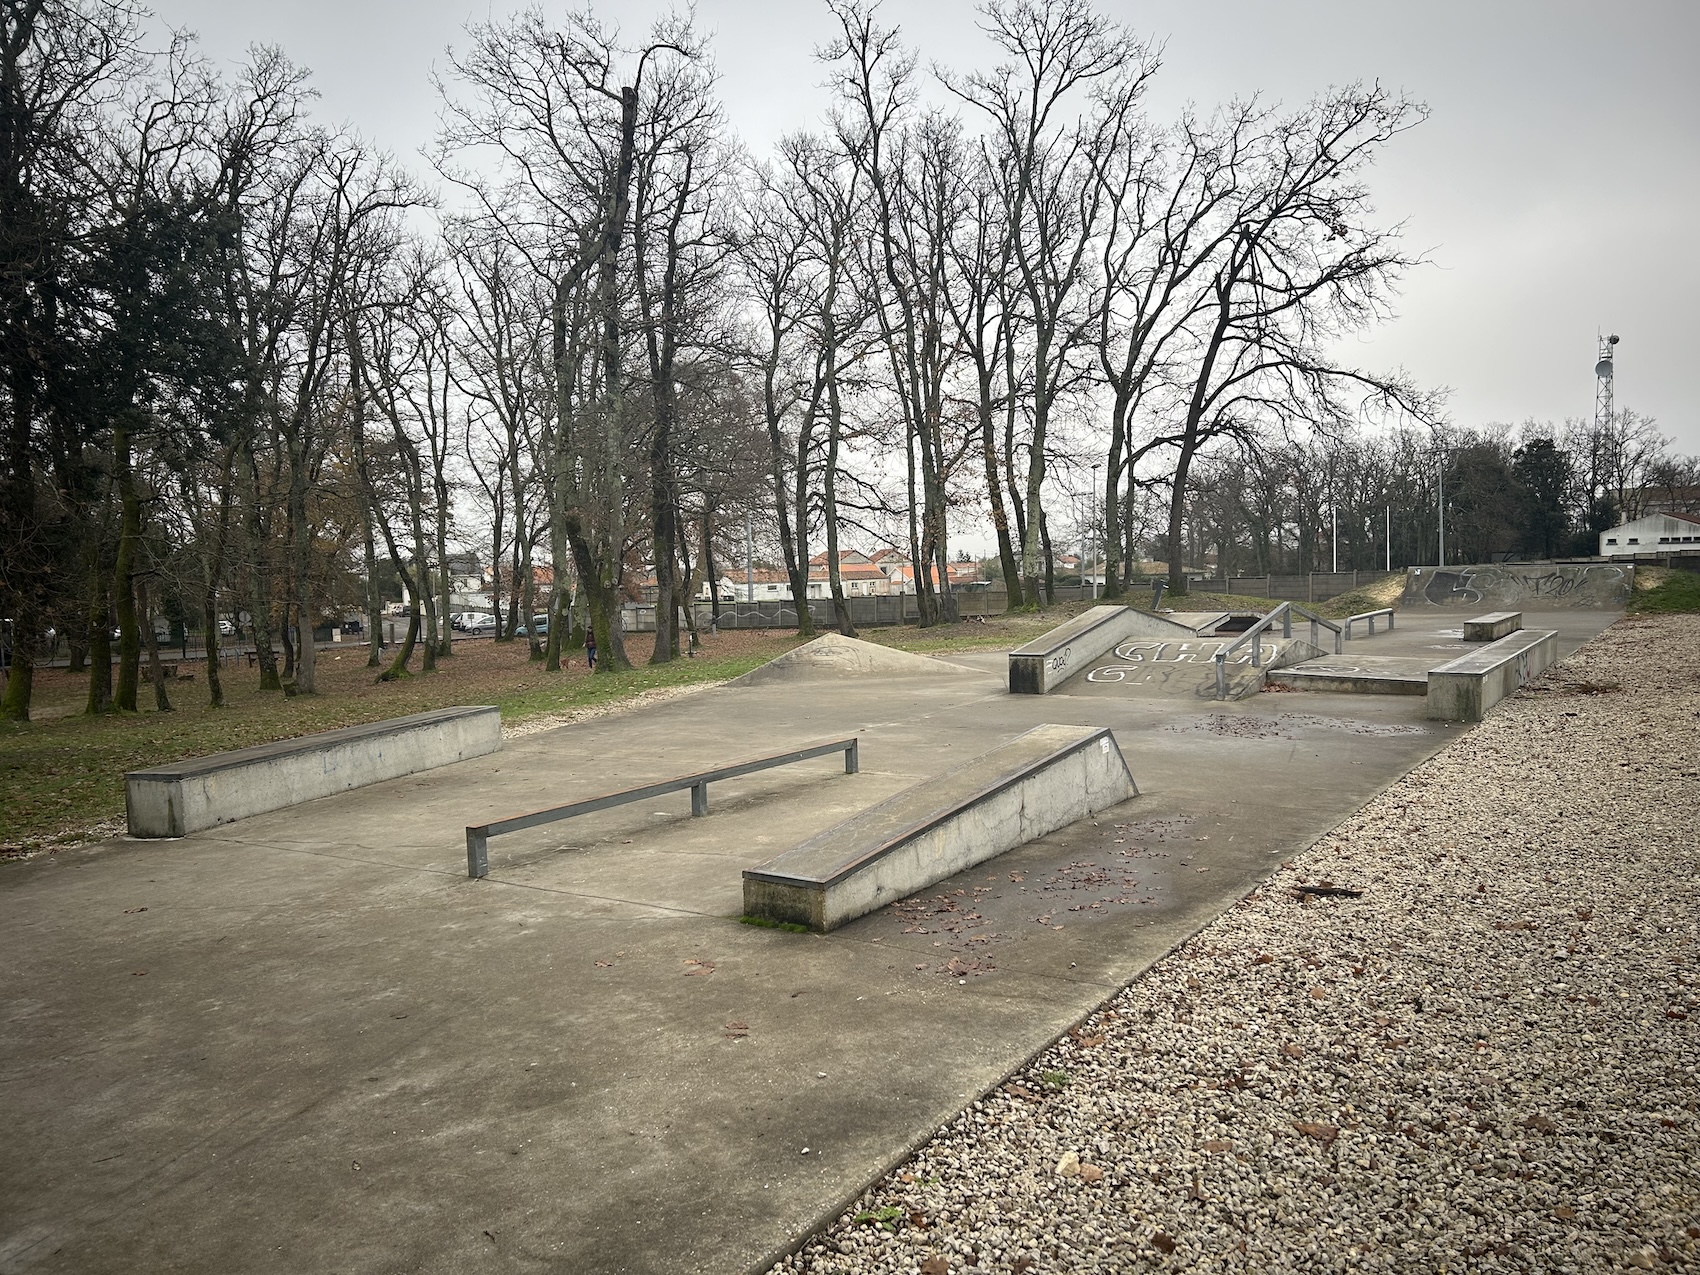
1155,661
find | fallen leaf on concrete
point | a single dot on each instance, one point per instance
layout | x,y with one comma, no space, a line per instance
699,967
1584,914
605,965
937,1264
133,911
1091,1173
1323,1133
1564,1212
1265,959
137,973
1292,1050
1540,1123
1163,1242
1192,984
1319,993
1218,1145
735,1030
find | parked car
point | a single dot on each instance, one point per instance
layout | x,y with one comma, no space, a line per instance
539,625
477,623
226,628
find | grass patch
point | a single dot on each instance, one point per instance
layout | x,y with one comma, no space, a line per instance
762,922
1676,593
63,773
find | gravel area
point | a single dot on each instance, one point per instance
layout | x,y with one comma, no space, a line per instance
1487,1061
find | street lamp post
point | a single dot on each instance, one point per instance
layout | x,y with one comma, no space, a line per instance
1442,508
1092,530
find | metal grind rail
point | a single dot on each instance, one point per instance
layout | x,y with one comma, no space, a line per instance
1368,617
1283,613
478,837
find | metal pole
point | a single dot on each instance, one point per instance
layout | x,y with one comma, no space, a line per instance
1442,504
749,560
1334,511
1389,538
1092,525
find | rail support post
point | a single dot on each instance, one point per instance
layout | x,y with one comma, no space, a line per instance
477,853
852,759
699,800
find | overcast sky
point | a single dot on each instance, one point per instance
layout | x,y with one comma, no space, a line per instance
1556,184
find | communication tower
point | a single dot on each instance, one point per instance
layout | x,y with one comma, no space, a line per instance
1603,385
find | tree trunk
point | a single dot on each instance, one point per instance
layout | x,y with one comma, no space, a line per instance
260,580
123,573
156,671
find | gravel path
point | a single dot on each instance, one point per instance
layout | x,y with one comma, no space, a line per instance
1490,1061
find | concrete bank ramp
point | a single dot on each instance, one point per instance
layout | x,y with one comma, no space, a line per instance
1517,586
834,657
1041,666
1040,781
1184,667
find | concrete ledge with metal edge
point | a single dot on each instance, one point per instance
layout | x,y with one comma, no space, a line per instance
180,798
1284,615
1493,626
1369,618
1040,781
1046,662
478,835
1462,690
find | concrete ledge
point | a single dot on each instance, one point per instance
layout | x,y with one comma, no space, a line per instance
1492,626
1045,663
1462,690
171,801
1038,782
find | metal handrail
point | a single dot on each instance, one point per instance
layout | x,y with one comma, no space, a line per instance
1284,613
1368,617
478,836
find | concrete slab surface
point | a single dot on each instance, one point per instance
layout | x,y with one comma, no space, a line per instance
1358,674
306,1042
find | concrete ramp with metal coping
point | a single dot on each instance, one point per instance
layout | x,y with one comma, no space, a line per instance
1039,782
1045,663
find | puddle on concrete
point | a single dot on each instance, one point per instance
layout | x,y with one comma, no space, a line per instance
1286,726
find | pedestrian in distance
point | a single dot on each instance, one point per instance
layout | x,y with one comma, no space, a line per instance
590,648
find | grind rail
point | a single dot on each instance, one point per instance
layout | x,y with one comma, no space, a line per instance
478,836
1283,613
1368,617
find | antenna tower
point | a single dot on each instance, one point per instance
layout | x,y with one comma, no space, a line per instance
1603,386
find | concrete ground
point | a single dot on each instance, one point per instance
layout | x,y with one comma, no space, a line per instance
307,1042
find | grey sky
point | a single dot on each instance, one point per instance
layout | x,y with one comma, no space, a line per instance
1556,183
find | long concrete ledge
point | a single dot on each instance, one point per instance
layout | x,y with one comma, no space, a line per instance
1046,662
1462,690
170,801
1038,782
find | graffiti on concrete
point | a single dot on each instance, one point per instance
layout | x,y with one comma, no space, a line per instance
1535,586
1175,665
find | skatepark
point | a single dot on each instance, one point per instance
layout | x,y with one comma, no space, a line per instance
308,1040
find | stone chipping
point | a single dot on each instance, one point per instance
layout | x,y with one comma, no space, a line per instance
1489,1060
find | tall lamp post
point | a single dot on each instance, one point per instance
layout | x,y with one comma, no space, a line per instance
1092,527
1441,503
